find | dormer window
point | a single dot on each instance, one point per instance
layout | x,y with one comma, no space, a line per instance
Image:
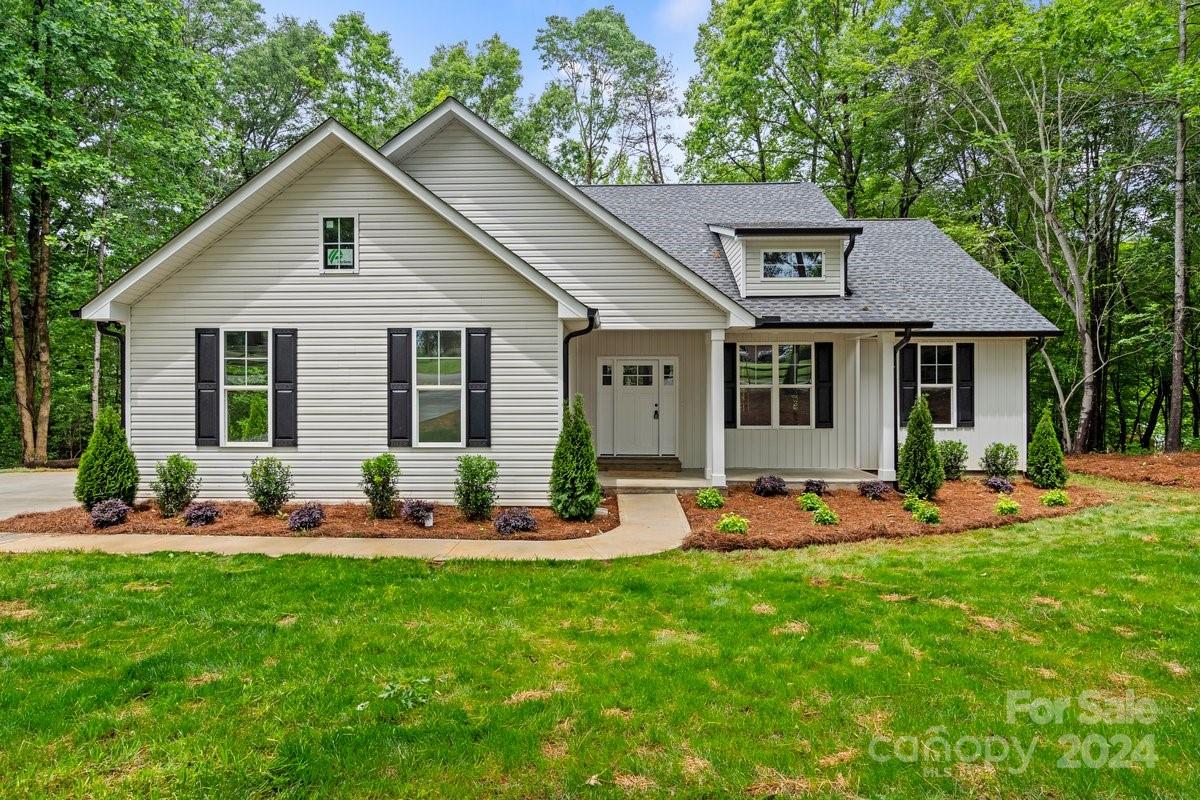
793,264
337,244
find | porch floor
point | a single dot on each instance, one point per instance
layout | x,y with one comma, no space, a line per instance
633,480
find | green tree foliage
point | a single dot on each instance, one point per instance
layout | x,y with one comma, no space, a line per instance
920,471
1045,467
574,484
107,468
366,90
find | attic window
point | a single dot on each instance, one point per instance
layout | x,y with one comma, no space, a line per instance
792,264
337,244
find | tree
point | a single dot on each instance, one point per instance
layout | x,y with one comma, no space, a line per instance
1174,437
920,470
487,81
107,469
1045,466
574,484
366,90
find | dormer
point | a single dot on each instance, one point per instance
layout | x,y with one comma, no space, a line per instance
786,259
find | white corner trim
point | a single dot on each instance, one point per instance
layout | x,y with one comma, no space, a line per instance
419,131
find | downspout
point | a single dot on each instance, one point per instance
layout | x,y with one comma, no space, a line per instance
896,397
112,330
846,265
566,364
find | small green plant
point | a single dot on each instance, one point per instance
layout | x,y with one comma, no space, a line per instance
1055,497
379,477
1000,460
1007,507
927,513
575,492
269,484
176,484
475,488
810,502
910,502
826,516
733,523
954,458
920,471
710,498
107,468
1045,466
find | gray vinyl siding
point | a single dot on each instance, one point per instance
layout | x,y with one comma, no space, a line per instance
575,251
415,270
830,282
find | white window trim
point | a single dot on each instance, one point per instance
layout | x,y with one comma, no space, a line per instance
462,392
775,386
270,442
953,385
321,217
762,267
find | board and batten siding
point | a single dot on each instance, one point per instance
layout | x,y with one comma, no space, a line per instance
415,270
575,251
830,282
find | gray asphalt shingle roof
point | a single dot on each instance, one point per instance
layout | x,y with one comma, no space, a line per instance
900,270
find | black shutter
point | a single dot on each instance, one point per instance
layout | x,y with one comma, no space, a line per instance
824,384
908,381
730,385
399,399
479,387
283,387
964,357
208,382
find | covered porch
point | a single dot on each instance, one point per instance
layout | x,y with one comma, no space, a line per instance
634,480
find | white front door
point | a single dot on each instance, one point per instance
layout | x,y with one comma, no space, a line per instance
639,414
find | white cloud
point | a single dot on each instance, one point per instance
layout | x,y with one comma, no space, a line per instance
681,15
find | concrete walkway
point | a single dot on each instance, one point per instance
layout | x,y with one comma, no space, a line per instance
42,490
650,523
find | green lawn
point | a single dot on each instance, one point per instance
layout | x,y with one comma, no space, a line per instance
189,676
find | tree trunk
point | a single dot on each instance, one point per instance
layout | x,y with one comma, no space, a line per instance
22,362
1174,440
1155,410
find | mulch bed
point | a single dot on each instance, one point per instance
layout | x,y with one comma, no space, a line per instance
1161,469
777,523
341,520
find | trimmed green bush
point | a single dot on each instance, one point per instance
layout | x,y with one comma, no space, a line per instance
379,476
176,484
920,471
1006,507
475,488
810,502
910,502
826,516
927,513
1000,460
107,468
710,498
1045,466
733,523
575,492
1055,497
269,484
954,458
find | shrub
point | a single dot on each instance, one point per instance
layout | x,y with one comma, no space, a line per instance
1006,507
770,486
911,501
1045,466
1000,460
475,488
197,515
810,502
710,498
826,516
927,513
306,517
574,484
818,487
379,475
269,484
920,471
176,485
416,511
1056,497
954,458
999,485
733,523
107,513
874,490
515,520
107,468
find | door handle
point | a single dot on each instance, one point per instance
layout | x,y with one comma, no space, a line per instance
656,410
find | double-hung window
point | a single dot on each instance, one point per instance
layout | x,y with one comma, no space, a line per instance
337,244
792,264
775,384
246,393
439,397
935,380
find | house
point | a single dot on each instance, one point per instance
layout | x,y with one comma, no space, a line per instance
443,294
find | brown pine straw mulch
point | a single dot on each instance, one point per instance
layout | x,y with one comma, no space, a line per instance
777,523
1161,469
341,520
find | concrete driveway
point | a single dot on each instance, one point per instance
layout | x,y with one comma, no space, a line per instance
46,490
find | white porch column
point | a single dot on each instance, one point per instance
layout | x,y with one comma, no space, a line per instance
714,465
887,410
